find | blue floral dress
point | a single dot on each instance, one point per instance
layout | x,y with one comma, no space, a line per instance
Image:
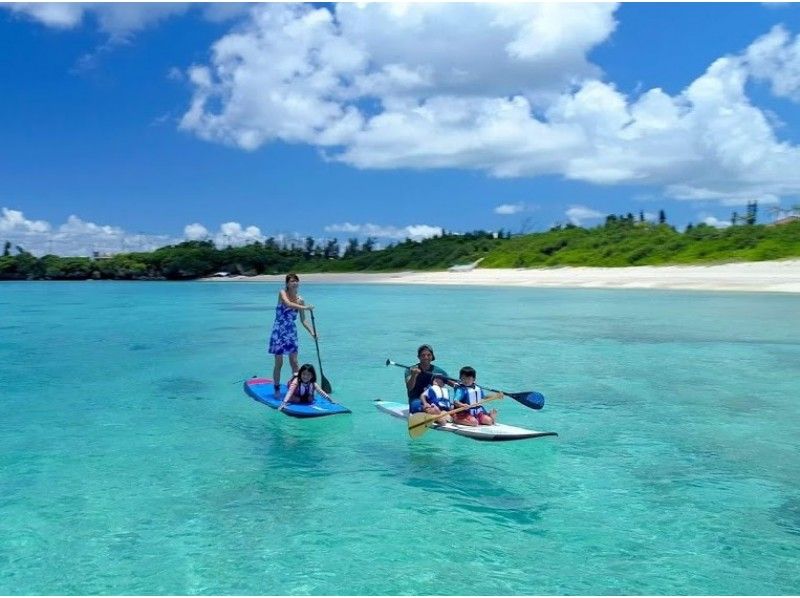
284,331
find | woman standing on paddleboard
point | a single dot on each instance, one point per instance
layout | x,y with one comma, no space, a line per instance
283,340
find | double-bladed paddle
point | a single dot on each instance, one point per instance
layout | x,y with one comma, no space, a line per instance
418,422
326,386
529,398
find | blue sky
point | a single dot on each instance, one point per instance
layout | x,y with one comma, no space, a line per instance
127,127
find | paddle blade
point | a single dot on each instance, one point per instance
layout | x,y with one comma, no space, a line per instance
326,386
532,400
418,424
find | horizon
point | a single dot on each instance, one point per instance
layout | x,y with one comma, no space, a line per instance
128,127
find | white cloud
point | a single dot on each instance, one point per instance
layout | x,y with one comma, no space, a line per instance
232,233
577,214
14,221
59,16
415,232
229,233
775,57
716,223
508,209
118,20
294,72
195,232
505,89
75,237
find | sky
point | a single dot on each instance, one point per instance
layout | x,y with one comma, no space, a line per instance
125,127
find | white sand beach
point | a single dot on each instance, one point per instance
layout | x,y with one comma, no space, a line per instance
777,276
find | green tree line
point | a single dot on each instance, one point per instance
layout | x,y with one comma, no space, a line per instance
620,241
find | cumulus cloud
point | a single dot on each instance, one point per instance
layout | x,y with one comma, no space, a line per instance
298,73
505,89
775,58
229,233
508,209
14,221
195,232
75,237
578,214
415,232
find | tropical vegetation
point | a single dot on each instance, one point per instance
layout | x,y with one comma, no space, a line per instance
620,241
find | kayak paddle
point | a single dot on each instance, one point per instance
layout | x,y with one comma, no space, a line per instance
529,398
326,386
418,422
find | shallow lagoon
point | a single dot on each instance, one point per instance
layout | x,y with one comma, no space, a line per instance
131,462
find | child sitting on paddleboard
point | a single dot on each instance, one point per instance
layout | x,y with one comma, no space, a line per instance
436,398
303,386
468,393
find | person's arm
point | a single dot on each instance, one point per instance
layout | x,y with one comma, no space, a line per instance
323,393
299,306
306,325
289,393
457,397
411,377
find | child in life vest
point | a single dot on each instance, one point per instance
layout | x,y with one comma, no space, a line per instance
468,393
436,398
303,386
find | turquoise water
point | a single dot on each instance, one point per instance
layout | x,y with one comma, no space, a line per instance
131,462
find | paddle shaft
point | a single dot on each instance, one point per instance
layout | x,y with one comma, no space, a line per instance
510,394
433,418
326,386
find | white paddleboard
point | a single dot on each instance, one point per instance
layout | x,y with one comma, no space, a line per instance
493,433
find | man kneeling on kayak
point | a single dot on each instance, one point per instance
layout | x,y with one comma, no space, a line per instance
468,393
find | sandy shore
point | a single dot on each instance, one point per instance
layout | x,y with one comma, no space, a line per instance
778,276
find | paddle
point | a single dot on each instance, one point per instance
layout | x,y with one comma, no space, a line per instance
418,422
529,398
326,386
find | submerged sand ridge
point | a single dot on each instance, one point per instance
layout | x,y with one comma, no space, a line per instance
776,276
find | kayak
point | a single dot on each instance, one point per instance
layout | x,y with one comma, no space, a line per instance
493,433
261,390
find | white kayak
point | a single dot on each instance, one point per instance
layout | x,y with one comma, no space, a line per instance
493,433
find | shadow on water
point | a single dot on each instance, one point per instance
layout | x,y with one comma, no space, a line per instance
181,387
302,447
139,347
788,515
470,485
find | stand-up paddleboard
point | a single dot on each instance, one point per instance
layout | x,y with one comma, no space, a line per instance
261,390
493,433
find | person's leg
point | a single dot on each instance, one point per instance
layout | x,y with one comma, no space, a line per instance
294,363
465,420
485,419
276,373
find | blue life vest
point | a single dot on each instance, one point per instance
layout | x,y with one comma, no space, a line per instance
470,395
439,396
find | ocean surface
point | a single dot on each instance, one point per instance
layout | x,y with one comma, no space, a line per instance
131,461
